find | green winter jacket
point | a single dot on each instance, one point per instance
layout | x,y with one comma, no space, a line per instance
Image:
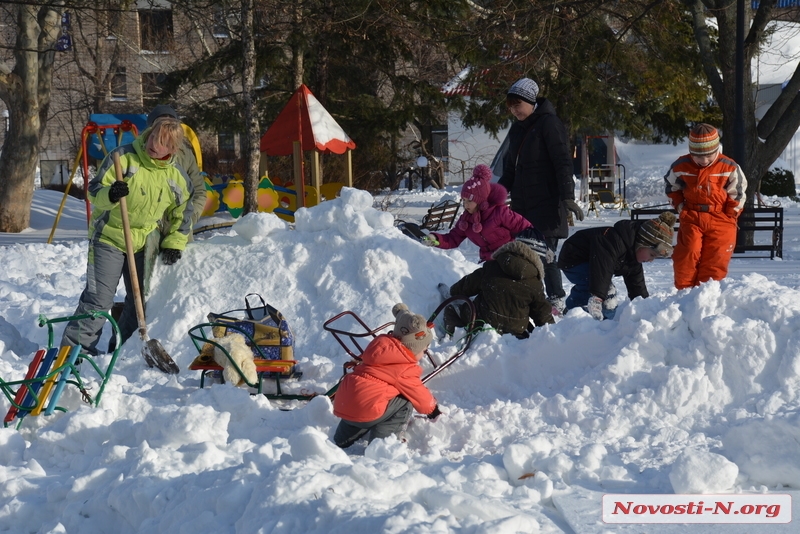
185,158
156,188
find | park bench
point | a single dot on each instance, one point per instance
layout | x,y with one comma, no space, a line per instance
762,219
440,216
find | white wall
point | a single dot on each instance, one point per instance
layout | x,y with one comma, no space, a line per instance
468,148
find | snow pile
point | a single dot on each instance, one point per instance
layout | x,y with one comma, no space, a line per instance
695,391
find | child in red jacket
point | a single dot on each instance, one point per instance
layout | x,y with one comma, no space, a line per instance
486,220
378,395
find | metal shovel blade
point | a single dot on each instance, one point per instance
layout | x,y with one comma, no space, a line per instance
155,356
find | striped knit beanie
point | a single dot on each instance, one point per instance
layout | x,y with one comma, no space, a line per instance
524,89
703,140
657,234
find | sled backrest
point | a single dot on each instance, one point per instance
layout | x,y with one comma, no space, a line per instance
352,333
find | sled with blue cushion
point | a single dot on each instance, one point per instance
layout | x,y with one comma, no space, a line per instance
266,332
352,333
50,372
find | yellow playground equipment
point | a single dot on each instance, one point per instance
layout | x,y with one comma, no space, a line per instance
226,193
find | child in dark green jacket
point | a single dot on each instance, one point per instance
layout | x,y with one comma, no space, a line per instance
508,291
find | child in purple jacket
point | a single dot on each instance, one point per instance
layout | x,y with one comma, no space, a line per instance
486,221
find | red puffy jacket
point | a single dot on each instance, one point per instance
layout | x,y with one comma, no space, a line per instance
388,369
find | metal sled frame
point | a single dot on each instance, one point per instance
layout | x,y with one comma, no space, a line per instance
351,341
51,370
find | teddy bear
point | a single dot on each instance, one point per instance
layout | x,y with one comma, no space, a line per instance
240,353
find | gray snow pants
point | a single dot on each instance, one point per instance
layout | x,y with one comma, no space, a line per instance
106,264
393,421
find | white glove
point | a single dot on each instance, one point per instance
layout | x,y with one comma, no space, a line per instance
595,307
430,240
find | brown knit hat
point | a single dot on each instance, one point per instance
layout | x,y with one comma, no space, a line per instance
703,140
411,329
657,234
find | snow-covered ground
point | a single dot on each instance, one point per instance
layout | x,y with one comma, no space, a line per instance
696,391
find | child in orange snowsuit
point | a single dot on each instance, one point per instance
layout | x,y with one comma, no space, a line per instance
378,395
708,190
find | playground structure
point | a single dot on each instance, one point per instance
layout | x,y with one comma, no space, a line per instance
51,370
305,125
225,193
601,174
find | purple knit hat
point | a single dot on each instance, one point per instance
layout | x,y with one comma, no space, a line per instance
477,190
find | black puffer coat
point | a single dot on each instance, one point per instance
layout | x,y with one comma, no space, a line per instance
610,251
509,289
537,170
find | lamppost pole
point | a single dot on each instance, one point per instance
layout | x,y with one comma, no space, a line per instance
738,126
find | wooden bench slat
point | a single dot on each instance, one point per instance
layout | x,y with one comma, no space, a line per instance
440,215
760,219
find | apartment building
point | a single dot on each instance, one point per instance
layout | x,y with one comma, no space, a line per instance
112,59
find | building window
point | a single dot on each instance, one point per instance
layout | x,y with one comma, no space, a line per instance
221,29
151,88
155,29
226,146
224,90
119,85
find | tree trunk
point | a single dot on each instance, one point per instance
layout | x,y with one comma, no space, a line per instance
297,49
766,139
252,155
26,93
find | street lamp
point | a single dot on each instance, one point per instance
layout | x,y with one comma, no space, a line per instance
422,164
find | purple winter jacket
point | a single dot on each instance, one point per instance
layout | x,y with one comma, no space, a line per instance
496,225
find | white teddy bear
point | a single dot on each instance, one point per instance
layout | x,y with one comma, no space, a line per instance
240,353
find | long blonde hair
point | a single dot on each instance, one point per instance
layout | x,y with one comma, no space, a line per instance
168,133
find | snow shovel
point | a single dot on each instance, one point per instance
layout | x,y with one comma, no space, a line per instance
152,350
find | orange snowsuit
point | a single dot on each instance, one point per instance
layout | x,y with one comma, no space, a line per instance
709,200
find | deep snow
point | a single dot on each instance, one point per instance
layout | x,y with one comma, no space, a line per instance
694,391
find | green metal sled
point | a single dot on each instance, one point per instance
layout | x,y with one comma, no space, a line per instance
51,370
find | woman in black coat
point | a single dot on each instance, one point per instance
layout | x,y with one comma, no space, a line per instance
537,172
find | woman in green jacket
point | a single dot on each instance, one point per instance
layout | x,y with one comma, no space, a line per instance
155,187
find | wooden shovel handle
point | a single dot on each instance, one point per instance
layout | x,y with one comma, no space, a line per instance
126,229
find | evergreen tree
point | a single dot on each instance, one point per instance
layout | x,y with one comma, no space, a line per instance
619,66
